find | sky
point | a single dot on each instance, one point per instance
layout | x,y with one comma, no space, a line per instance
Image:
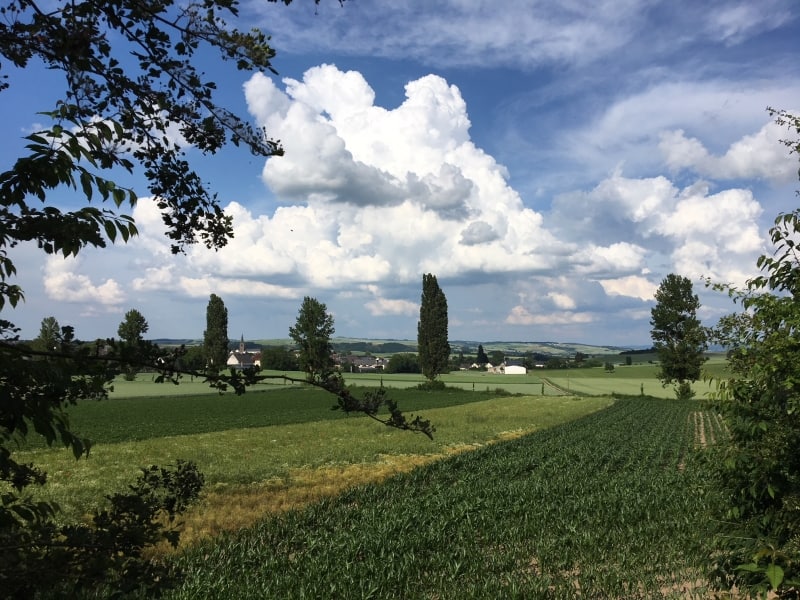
549,162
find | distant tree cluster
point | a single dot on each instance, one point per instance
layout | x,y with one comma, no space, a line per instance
278,358
403,362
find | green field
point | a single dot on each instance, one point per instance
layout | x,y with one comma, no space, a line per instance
635,379
519,496
612,505
250,439
638,378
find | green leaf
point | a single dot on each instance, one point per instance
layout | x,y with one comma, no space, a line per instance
119,196
775,575
111,230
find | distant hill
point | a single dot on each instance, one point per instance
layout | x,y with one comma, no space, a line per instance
170,342
547,348
393,346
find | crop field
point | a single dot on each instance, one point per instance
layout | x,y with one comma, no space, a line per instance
611,505
274,449
553,496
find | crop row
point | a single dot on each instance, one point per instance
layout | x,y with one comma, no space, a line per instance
611,505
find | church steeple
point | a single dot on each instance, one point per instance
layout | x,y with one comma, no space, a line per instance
241,344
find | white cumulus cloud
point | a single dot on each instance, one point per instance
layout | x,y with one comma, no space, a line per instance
63,282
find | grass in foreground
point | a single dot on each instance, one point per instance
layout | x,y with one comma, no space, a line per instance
608,506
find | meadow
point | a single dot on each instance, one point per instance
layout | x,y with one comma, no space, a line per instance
639,378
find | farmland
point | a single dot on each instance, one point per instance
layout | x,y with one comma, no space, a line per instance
268,439
531,495
611,505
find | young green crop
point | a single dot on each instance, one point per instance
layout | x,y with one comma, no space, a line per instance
612,505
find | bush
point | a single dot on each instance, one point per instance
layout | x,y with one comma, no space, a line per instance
403,362
434,385
108,557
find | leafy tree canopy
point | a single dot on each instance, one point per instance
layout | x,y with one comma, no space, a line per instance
278,358
760,467
47,340
312,333
133,327
403,362
132,330
678,337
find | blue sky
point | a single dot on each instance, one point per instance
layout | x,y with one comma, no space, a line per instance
549,164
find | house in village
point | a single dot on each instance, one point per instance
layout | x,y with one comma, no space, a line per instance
244,358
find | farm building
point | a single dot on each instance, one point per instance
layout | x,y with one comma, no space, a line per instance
243,358
362,364
509,367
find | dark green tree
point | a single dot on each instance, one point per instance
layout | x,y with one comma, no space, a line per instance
497,357
131,331
312,333
432,343
678,337
403,362
760,466
133,327
278,358
193,359
215,337
49,331
482,358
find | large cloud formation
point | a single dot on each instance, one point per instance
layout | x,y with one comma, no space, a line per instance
367,199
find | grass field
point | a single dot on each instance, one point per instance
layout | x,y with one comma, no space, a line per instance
638,378
635,379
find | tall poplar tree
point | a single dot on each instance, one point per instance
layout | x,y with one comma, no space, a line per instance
433,347
215,337
677,334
